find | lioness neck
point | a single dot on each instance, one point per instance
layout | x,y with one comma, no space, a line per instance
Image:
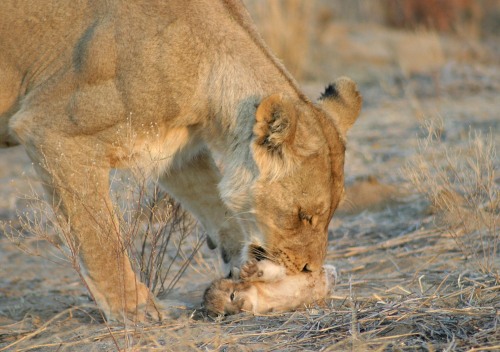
241,72
238,72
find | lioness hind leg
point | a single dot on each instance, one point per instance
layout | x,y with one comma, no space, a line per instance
194,185
76,181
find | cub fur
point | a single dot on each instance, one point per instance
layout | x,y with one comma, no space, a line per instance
226,296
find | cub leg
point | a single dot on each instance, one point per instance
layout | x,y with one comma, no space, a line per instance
76,181
194,185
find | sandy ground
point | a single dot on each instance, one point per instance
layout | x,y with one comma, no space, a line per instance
383,240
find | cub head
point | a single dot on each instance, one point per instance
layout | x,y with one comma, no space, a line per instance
298,149
226,297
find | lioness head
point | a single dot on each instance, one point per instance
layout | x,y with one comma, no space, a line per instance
298,149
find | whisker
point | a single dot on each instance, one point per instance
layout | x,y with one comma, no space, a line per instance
237,217
349,204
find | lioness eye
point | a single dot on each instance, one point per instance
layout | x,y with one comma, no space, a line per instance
232,296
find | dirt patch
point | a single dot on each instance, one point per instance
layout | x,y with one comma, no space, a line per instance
367,193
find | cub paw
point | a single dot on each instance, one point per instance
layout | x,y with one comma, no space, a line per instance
250,271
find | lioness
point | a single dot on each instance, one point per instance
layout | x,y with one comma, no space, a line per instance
165,87
277,293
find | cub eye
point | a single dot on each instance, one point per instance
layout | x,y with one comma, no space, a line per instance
232,296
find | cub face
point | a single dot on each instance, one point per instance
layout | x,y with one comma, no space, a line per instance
226,297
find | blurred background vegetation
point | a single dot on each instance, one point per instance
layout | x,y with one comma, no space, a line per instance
368,38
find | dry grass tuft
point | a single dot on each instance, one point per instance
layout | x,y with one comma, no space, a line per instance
161,236
461,185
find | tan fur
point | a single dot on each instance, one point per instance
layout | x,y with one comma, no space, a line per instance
167,87
226,296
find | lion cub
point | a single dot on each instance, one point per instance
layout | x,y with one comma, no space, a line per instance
264,287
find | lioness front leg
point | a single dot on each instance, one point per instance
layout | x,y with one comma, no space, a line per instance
76,180
194,185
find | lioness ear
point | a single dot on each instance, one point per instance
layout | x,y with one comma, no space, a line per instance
342,101
274,131
276,121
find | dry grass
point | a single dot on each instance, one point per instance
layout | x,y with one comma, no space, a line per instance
460,183
410,291
157,233
429,309
162,237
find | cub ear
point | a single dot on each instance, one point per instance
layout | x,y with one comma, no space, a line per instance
274,131
342,101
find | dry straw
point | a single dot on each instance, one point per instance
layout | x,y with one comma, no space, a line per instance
461,184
